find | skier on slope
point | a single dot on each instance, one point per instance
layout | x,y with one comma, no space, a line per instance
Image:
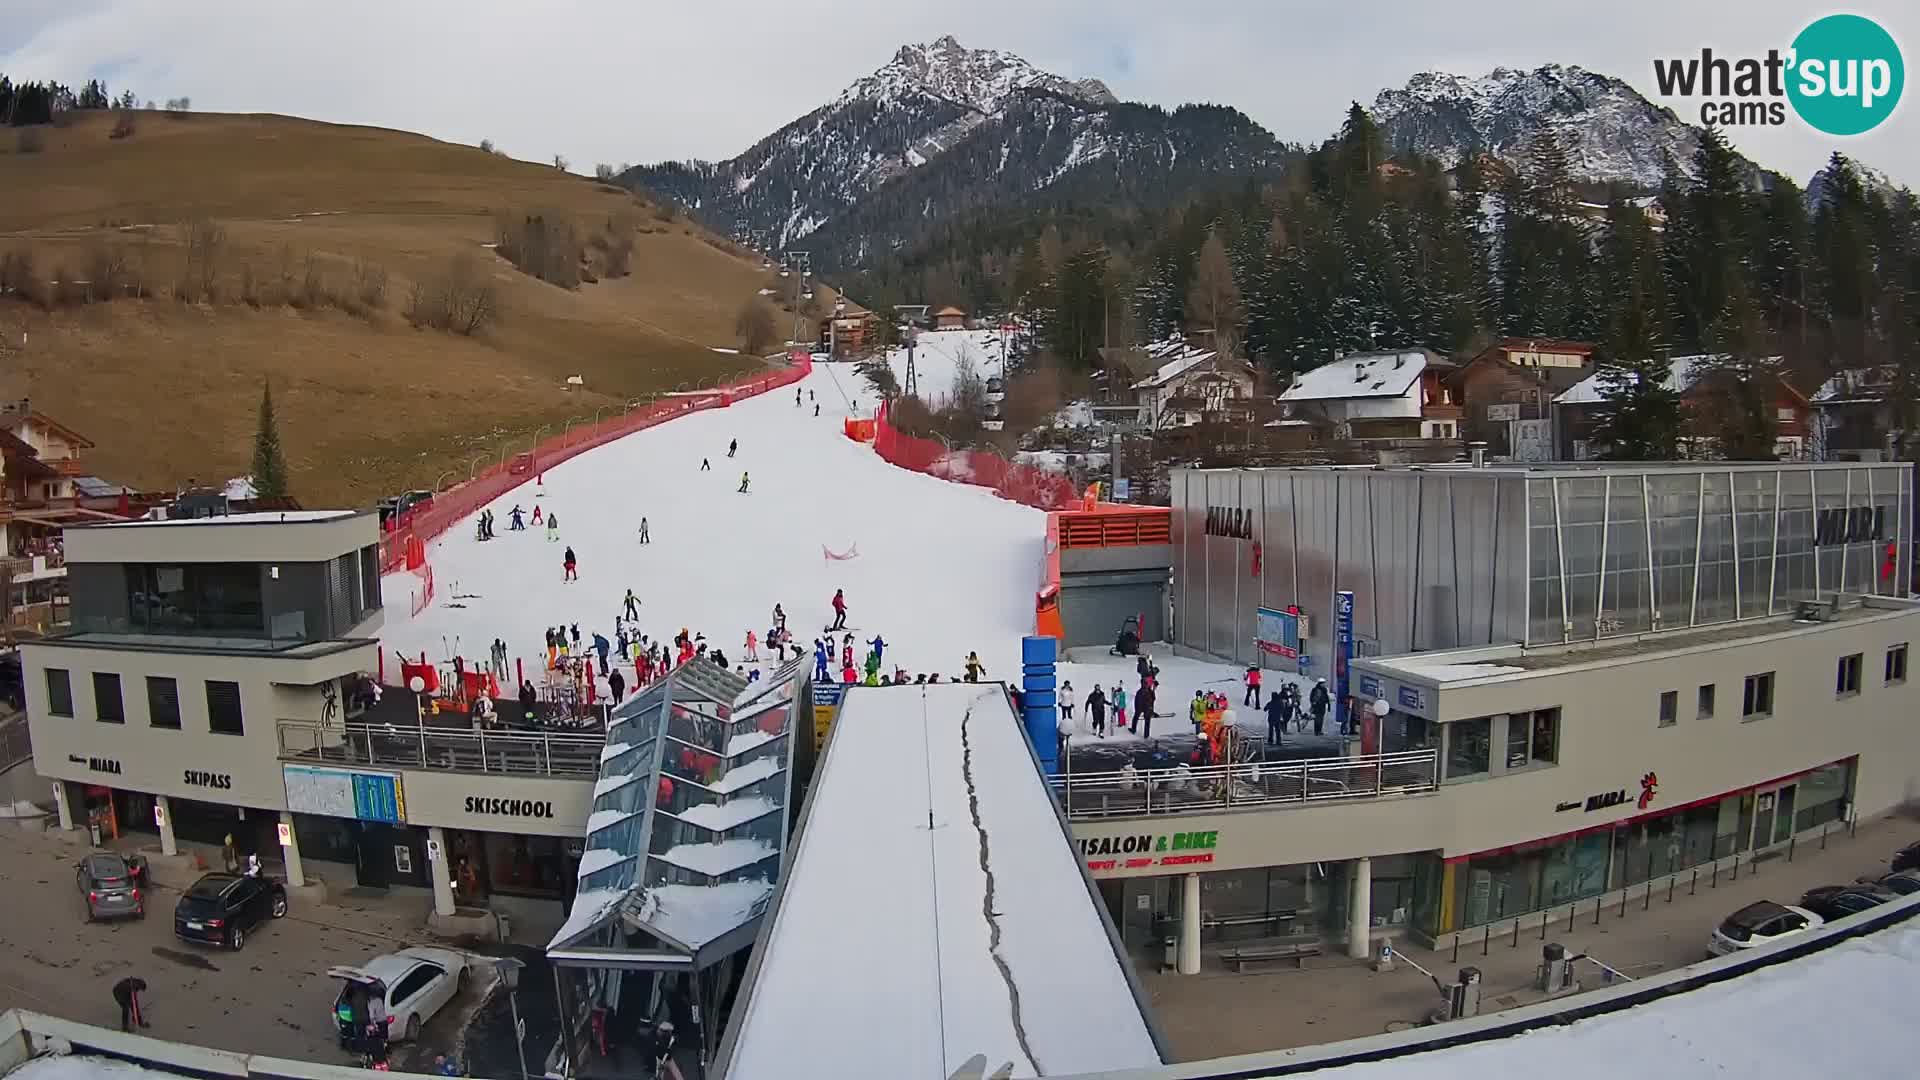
553,527
516,519
632,604
796,397
733,447
779,616
705,465
571,566
743,483
816,408
602,646
819,660
839,610
879,645
846,652
536,513
644,538
975,669
753,647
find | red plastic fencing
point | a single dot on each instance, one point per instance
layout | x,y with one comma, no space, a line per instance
1022,483
465,499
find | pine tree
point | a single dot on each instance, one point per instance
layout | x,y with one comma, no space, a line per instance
1641,419
269,466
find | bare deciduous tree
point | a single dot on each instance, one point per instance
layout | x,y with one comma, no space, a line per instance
123,125
754,326
205,245
604,173
370,284
109,271
461,299
486,146
1213,300
560,162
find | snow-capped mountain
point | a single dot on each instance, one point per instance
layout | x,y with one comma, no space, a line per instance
1872,179
906,114
1611,132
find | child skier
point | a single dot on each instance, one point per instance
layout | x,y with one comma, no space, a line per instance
553,527
1119,706
572,568
536,513
819,660
753,647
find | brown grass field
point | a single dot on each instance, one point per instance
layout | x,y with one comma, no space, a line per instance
367,403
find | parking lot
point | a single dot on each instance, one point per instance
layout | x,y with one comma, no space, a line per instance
1218,1012
273,997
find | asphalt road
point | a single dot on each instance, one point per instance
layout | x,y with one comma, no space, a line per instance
273,997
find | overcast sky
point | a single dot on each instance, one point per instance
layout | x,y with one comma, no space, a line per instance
624,81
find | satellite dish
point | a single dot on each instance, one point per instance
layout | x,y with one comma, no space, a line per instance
416,684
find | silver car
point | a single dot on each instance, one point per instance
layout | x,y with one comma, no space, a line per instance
110,887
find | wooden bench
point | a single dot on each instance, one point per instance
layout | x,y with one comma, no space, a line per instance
1296,951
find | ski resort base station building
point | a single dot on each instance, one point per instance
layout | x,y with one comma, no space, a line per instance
1565,682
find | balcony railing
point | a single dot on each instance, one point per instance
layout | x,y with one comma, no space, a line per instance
520,753
1215,787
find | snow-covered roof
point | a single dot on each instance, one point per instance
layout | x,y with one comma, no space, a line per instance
1854,384
257,517
997,862
1182,361
1592,390
1362,375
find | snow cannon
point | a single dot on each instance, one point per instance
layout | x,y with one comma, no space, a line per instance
1037,655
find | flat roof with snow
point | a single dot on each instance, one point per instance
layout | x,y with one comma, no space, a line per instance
256,517
934,910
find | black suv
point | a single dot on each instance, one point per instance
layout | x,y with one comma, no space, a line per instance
220,908
1832,902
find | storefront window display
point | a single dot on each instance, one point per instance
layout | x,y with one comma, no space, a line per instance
525,865
1824,795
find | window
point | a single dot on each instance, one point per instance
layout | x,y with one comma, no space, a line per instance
59,692
1532,738
1706,702
1469,745
1546,736
1846,678
107,706
223,708
163,702
198,598
1758,700
415,981
1896,665
1669,708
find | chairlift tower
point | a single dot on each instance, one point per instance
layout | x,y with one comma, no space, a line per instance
799,266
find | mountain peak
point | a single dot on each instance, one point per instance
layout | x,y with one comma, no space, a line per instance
1611,131
978,79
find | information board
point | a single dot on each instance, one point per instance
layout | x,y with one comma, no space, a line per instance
344,793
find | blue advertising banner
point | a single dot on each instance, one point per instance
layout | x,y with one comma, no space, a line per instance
1342,655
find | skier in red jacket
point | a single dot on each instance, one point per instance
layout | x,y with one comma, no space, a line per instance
839,610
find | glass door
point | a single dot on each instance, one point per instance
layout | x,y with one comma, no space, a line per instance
1763,819
1783,814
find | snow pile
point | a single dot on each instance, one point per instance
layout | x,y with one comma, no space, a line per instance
943,568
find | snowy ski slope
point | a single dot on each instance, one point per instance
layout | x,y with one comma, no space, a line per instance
941,568
937,358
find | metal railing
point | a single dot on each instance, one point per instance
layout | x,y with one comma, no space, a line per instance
522,753
1213,787
16,744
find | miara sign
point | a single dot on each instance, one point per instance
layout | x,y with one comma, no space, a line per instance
1850,525
1229,521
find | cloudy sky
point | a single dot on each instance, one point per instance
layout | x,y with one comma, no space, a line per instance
613,81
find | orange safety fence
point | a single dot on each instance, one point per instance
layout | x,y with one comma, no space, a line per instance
1022,483
1046,603
1116,526
414,529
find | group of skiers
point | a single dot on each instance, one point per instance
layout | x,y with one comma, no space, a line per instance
484,525
1284,704
1099,700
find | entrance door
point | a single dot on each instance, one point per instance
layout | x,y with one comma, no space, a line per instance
1763,818
370,856
1783,814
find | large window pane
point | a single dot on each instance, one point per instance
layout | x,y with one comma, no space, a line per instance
59,692
1469,744
200,598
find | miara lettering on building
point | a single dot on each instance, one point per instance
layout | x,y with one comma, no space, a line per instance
1232,522
1855,525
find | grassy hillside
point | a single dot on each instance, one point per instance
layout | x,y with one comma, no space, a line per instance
367,402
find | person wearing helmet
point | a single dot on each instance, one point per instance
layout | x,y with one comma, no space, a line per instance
1317,702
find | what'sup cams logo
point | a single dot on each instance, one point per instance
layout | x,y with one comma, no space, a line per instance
1842,75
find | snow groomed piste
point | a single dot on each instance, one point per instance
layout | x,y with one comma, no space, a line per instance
935,568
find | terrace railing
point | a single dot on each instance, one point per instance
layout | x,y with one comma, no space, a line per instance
1214,787
520,753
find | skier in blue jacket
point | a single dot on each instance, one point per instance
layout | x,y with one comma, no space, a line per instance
879,646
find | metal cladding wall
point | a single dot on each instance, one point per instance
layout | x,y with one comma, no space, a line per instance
1444,558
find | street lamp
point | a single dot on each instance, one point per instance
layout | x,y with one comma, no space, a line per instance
566,433
436,489
474,465
508,969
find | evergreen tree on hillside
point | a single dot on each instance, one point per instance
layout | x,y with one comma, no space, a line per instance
1709,243
1843,253
1076,327
93,96
1641,418
269,465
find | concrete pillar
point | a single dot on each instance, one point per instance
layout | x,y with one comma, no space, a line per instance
437,866
1189,958
290,852
1360,909
163,817
63,804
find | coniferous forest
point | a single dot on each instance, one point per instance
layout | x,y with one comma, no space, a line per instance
1348,248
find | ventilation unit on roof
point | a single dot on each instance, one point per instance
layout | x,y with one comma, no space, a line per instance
1360,373
1398,360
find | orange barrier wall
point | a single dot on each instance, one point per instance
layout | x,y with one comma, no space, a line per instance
1046,604
1111,525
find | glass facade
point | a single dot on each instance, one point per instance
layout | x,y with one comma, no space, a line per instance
1493,886
1444,557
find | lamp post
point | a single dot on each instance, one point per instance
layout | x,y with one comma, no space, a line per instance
436,489
566,433
508,968
473,466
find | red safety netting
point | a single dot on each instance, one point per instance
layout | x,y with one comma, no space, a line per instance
1021,483
462,500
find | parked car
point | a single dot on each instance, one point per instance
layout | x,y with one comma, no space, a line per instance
1832,902
1762,922
110,887
221,908
1903,882
409,987
1907,858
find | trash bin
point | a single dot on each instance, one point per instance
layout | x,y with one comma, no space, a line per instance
1170,959
93,833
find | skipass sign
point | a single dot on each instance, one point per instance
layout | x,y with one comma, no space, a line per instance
1842,75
